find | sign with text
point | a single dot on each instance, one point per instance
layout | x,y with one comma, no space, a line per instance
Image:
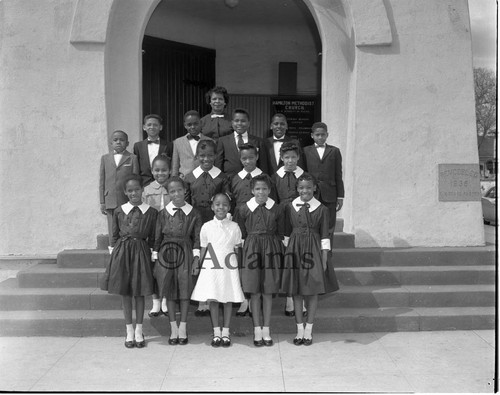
300,111
459,183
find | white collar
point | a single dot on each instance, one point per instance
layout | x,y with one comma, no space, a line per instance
252,204
221,222
127,207
297,172
187,208
255,172
156,185
214,172
313,204
242,135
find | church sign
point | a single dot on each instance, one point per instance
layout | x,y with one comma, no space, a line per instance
459,183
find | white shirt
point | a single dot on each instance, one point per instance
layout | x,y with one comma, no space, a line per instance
193,143
244,136
277,145
321,150
153,150
118,158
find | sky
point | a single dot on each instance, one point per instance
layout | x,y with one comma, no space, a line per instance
483,19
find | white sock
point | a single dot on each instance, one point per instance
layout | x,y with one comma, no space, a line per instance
130,332
138,333
182,330
174,330
164,305
217,332
225,332
266,333
304,306
156,306
308,331
243,307
257,333
300,331
289,303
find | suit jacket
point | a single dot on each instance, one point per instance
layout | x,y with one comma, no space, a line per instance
328,172
141,151
269,143
111,178
228,155
183,160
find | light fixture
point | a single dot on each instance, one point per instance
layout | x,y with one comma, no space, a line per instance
231,3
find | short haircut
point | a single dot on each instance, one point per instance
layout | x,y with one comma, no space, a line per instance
217,89
191,113
221,194
263,178
240,111
289,146
307,177
175,179
132,177
277,115
204,144
120,131
249,147
155,116
163,157
319,125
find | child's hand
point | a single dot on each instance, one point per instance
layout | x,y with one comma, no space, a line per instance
324,258
103,209
196,266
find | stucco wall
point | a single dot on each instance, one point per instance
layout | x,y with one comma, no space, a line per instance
52,122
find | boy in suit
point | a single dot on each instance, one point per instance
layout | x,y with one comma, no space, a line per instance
184,159
115,167
147,150
279,127
228,155
324,162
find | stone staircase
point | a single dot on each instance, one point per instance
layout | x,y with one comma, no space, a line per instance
405,289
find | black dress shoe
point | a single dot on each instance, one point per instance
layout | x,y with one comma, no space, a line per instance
298,341
216,341
268,343
258,343
308,342
242,313
141,344
173,342
164,312
130,344
226,341
154,314
201,313
183,340
289,313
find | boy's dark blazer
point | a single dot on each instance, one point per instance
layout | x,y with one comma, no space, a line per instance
269,143
141,151
328,171
228,155
110,179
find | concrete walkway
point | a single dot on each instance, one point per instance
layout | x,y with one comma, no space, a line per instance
455,361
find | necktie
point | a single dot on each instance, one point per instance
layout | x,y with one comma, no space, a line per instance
240,141
191,137
217,116
277,140
157,141
178,212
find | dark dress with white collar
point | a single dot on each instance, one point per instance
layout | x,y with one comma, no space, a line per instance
130,271
176,237
303,273
216,127
263,249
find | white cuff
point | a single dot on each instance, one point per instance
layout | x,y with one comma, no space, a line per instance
154,255
229,216
196,252
110,249
286,240
325,244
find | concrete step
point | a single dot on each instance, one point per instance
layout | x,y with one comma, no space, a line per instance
415,256
14,298
343,257
50,275
111,323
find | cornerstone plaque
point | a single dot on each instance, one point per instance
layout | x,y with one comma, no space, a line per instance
459,183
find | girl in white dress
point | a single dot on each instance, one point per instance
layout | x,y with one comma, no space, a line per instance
219,280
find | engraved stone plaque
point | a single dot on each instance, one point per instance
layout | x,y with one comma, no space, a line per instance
459,183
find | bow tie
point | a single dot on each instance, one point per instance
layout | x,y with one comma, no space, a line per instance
262,205
217,116
176,208
117,153
278,140
306,205
191,137
320,145
157,141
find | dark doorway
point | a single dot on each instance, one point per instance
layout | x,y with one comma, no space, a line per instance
175,79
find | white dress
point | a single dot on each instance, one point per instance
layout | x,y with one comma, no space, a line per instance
219,278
